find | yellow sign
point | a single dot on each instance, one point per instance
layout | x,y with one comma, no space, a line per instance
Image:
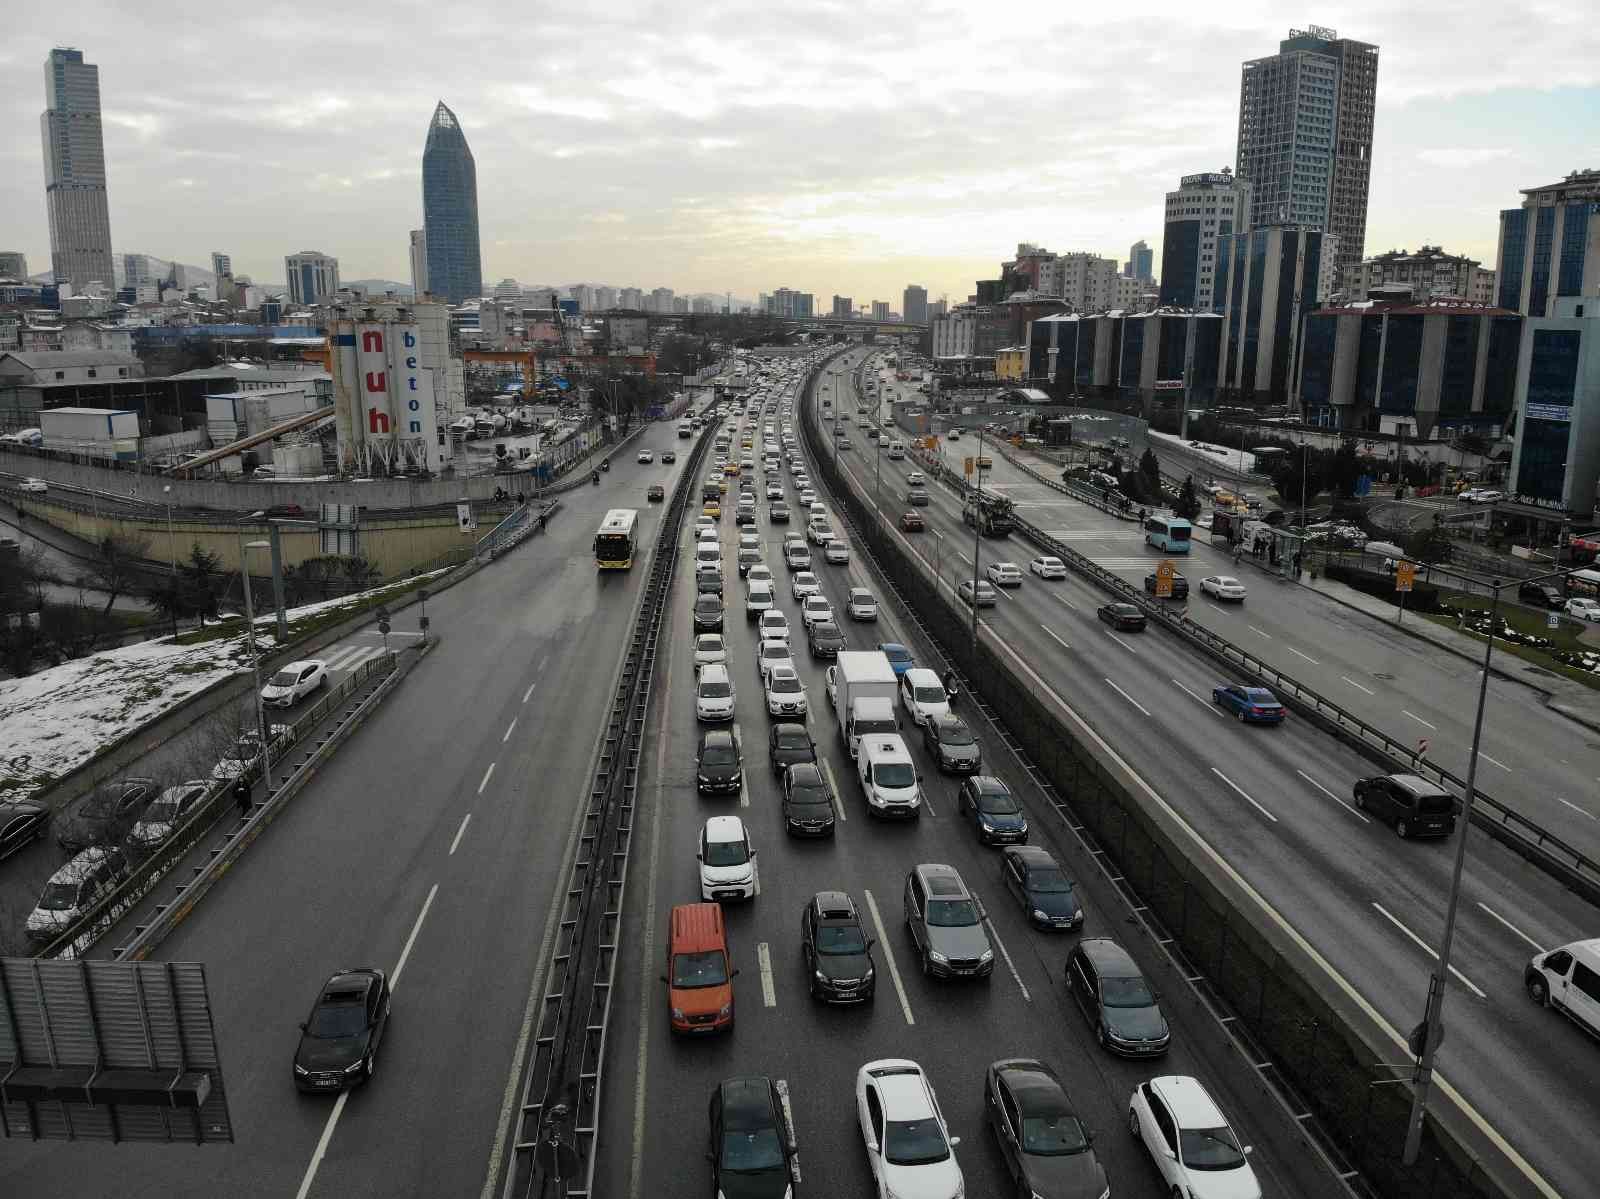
1405,573
966,466
1164,575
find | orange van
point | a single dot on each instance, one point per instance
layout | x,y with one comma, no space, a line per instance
700,970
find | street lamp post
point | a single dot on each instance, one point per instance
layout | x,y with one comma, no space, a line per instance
172,545
977,529
250,634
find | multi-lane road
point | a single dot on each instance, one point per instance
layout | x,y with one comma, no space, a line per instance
1276,802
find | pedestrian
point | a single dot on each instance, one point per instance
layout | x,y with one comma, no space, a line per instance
241,794
542,515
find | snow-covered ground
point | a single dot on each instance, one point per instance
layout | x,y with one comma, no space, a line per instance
1225,456
53,722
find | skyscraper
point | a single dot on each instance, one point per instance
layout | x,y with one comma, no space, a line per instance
75,171
450,210
419,262
1205,207
1305,136
221,264
1141,262
312,275
1548,247
914,304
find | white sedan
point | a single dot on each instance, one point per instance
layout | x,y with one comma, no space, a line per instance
708,647
786,694
1046,566
294,682
773,653
1583,608
1004,574
647,455
815,609
1189,1140
805,583
907,1139
32,484
1224,587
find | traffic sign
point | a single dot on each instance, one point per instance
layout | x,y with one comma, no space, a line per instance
1165,572
966,466
1552,620
1405,574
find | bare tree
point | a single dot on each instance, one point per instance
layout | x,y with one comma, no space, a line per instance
115,569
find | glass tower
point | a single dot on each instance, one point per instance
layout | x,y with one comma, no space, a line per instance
450,211
75,171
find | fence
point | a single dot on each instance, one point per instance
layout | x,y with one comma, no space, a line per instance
1298,1042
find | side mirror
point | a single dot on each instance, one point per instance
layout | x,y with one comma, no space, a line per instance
871,941
712,1158
954,1141
872,1144
698,856
1249,1149
663,978
735,973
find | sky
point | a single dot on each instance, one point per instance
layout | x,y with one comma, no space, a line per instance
847,148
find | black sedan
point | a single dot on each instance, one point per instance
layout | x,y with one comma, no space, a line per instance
1034,879
1048,1152
104,816
1121,616
719,768
668,457
751,1144
339,1042
778,514
1180,585
837,950
21,822
826,639
807,802
788,743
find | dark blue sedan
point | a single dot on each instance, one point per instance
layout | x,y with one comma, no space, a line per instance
899,657
1256,705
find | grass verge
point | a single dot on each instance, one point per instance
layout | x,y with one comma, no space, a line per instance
1525,635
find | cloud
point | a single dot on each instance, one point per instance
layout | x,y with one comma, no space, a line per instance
1460,158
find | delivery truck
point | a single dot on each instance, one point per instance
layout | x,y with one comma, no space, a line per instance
862,687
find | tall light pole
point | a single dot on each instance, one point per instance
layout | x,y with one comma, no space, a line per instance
250,633
977,530
172,545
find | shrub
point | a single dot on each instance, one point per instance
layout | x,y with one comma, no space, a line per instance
1423,597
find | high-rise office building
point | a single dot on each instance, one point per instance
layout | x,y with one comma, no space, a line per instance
419,262
1267,280
1550,246
450,210
843,308
75,171
1305,136
312,275
914,304
1141,262
13,265
880,310
221,264
141,268
1204,208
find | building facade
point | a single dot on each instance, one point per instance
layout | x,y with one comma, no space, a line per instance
1139,357
880,310
631,299
450,210
1204,207
13,265
1268,278
1429,273
418,252
1305,136
75,172
1550,247
1555,466
1141,262
914,304
1085,281
312,276
843,308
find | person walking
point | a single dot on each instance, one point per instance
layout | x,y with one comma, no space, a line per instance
241,794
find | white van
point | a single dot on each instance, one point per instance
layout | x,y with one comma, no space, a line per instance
1568,979
897,449
888,776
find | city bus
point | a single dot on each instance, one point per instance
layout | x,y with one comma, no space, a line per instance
1170,534
614,544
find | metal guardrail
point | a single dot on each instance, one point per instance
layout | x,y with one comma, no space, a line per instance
555,1151
80,936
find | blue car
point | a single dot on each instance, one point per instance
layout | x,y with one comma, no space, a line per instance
899,657
995,814
1254,704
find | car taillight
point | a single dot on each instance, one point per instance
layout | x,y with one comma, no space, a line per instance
1255,711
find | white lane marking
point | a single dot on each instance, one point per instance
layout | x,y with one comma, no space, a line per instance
1575,808
1347,807
405,954
1216,607
1210,705
1010,965
528,692
744,790
769,993
1120,641
1537,948
1418,719
1052,634
486,776
833,789
1495,762
1127,697
1246,795
465,820
1357,685
509,729
322,1145
1423,945
1253,629
1065,601
888,958
1298,654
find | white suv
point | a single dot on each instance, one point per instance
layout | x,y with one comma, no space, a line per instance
727,861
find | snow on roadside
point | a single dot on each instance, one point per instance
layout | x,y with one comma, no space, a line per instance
1224,455
53,722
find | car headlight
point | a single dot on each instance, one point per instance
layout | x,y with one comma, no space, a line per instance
299,1069
352,1067
1039,915
988,956
820,976
725,1011
677,1013
703,778
986,826
935,955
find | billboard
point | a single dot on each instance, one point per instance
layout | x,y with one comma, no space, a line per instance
384,397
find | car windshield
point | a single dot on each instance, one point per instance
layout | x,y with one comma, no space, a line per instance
928,695
285,678
1049,882
786,685
894,774
1127,992
794,740
726,853
691,970
1053,1135
1210,1148
713,690
163,809
914,1142
752,1152
719,755
840,938
334,1020
59,897
709,603
808,793
952,913
1000,803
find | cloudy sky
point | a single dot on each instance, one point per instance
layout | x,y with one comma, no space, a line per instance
725,145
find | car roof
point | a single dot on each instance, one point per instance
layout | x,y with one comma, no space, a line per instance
747,1103
1417,785
783,672
76,867
358,979
942,880
713,670
920,675
903,1087
1034,857
302,663
834,905
1107,955
1189,1101
717,737
724,828
893,647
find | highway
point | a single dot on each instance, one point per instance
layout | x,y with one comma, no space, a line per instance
656,1134
428,846
1275,803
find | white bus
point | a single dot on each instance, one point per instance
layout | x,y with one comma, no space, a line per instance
616,541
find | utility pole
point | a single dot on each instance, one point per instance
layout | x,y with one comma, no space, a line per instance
977,531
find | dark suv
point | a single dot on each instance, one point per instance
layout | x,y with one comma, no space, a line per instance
837,950
1416,807
1114,997
950,742
1541,595
946,924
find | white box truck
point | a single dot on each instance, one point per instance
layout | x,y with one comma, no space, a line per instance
862,687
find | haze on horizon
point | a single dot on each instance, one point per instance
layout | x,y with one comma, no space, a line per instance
739,146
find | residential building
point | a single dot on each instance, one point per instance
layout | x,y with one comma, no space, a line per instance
1267,279
1141,262
221,264
843,308
312,276
1555,466
629,333
661,300
1085,281
973,331
1204,207
1429,273
880,310
1022,272
680,305
14,265
584,294
630,299
1127,293
1550,247
450,210
1305,136
796,304
75,172
419,262
1429,368
605,299
913,304
702,306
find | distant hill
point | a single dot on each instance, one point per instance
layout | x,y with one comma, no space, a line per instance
376,287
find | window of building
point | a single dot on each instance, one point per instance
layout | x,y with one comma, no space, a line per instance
91,372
